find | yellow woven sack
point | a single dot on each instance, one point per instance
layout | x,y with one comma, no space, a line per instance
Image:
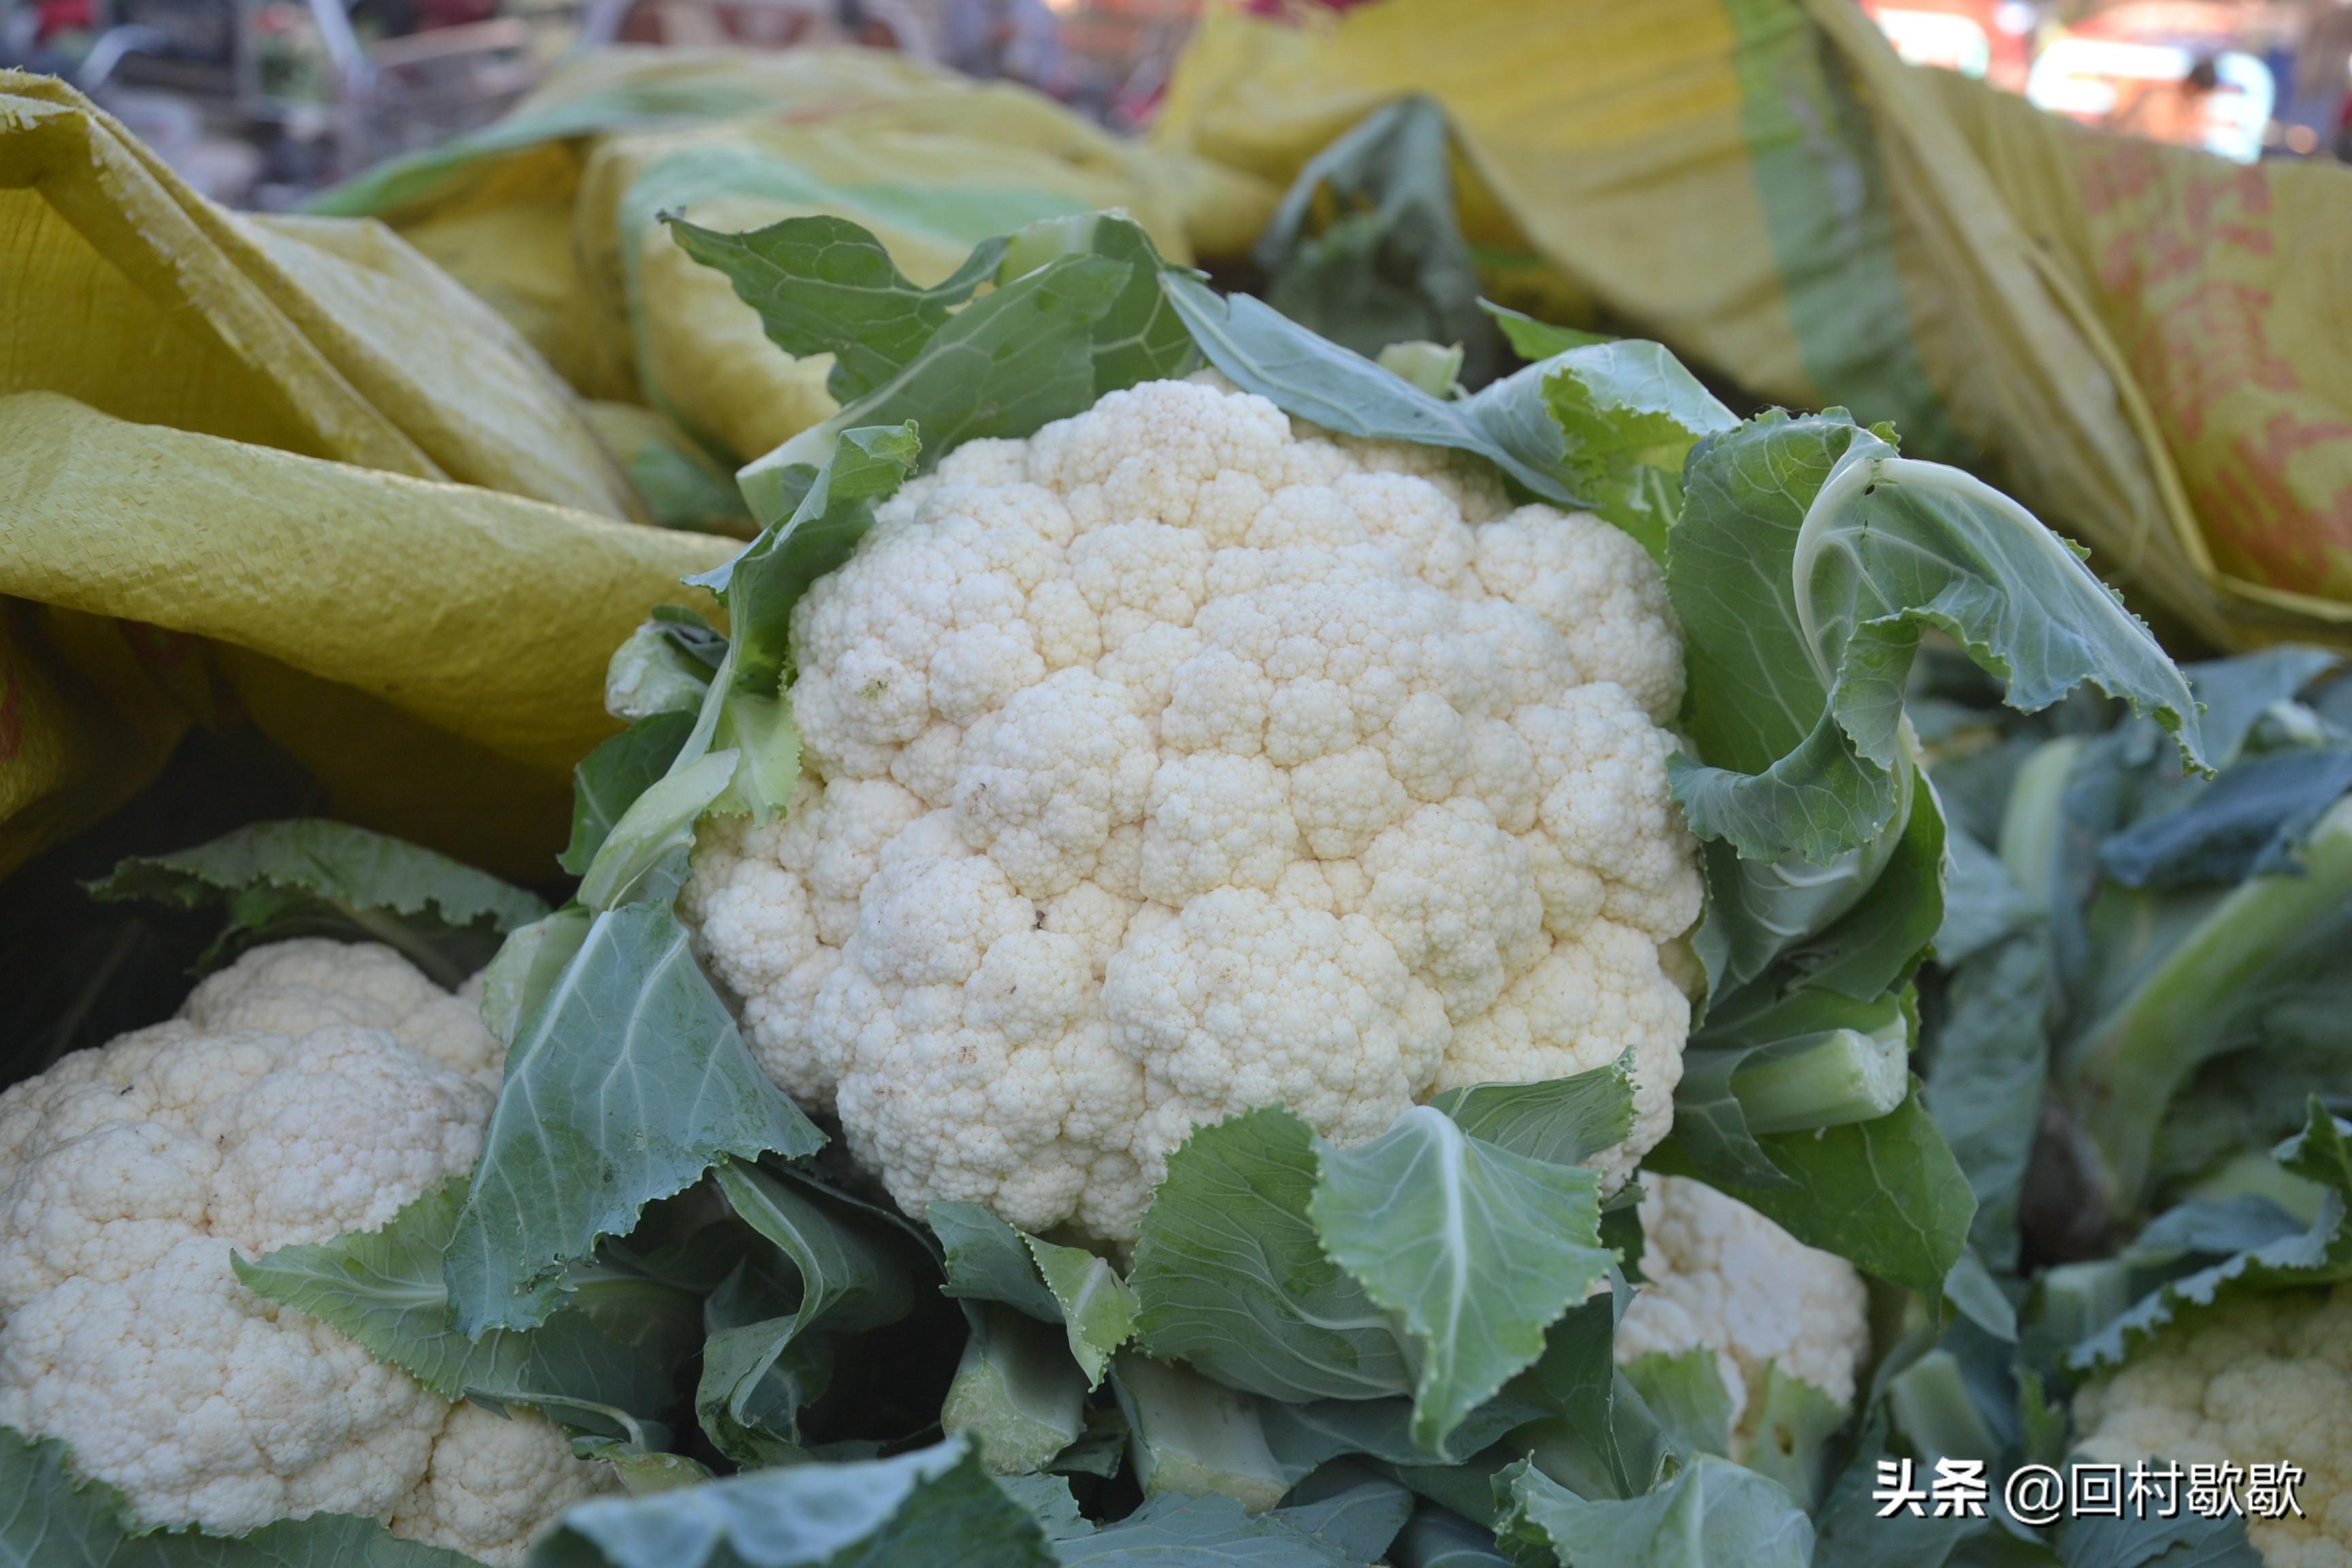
124,289
551,215
432,653
1762,185
227,448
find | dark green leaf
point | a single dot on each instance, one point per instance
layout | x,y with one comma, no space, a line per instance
2187,1541
1982,903
627,1083
1013,360
874,1513
384,1289
1050,1501
609,779
1171,1531
832,510
684,489
1887,1195
1349,1507
1097,1307
2236,691
1808,559
1318,1431
1017,1390
1365,249
2175,978
1628,415
1853,1535
1984,1078
1759,1032
850,1278
50,1518
988,1260
312,877
822,285
2319,1255
1687,1395
1533,339
1140,337
1261,350
1194,1438
1438,1538
1600,1438
1858,924
2251,822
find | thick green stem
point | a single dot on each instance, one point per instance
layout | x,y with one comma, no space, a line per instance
1830,1079
1930,1402
2078,1299
1194,1438
2124,1072
2035,819
1017,1390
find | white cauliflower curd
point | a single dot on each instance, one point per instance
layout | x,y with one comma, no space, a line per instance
1719,1276
1176,760
2258,1380
309,1089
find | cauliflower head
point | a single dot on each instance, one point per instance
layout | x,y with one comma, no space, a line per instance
1720,1276
2255,1380
309,1089
1177,761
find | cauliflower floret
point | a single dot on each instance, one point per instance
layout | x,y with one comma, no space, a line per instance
309,1089
1720,1276
1181,759
493,1481
2256,1380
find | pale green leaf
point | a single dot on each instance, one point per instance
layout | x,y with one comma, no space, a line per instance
1097,1306
1687,1394
1477,1249
384,1289
1712,1514
1016,1390
310,876
1565,1120
1229,1275
626,1085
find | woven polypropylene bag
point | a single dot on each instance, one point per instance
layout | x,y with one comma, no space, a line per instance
287,472
2147,345
553,214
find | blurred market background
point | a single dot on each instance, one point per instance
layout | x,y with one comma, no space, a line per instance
260,103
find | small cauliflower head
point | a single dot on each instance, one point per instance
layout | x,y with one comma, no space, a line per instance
1719,1276
2256,1380
1178,761
309,1089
